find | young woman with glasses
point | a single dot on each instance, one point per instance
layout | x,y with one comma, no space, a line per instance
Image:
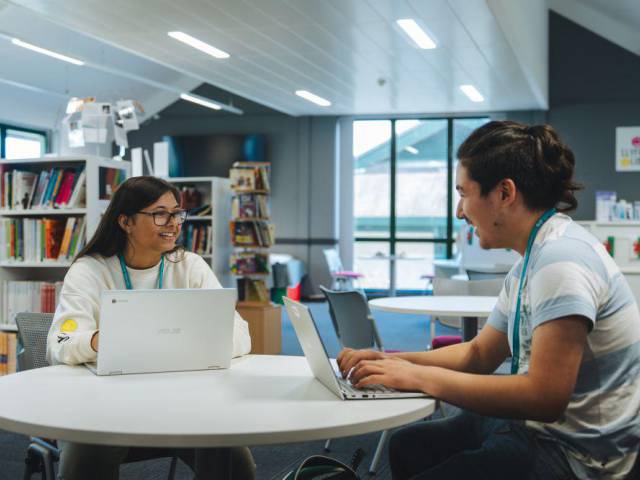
134,247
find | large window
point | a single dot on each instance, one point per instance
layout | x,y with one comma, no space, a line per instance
21,143
405,198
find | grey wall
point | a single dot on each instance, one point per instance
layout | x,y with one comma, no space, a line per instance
593,89
302,151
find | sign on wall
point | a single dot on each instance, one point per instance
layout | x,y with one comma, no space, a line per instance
628,149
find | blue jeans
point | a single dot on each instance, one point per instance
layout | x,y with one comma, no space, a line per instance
467,445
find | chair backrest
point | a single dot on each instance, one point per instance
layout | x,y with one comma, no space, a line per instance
352,320
33,329
475,275
333,260
449,286
485,288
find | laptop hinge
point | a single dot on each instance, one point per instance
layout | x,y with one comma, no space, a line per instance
214,367
116,372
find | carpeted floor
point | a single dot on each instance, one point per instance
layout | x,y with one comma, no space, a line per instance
398,332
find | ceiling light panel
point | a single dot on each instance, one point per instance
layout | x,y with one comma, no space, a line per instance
199,44
416,33
44,51
472,92
200,101
312,97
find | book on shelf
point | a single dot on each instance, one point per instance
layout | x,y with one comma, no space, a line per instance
258,233
249,177
252,290
28,296
201,211
190,197
197,238
250,205
54,188
40,239
8,352
249,263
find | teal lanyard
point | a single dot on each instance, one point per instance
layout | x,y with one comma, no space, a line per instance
515,359
127,279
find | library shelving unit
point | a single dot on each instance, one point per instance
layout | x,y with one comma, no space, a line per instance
205,231
25,254
252,234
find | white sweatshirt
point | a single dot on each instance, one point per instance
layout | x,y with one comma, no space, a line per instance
78,314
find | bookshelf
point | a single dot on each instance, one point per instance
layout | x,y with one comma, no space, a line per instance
31,200
252,232
28,251
205,230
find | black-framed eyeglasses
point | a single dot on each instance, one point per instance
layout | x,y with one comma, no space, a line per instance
162,218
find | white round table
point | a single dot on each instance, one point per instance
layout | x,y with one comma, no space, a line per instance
470,308
260,400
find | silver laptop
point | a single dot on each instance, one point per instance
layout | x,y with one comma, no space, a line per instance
321,366
144,331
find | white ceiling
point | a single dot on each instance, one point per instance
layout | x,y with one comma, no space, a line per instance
348,51
342,50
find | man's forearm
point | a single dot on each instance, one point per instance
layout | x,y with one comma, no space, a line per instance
505,396
462,357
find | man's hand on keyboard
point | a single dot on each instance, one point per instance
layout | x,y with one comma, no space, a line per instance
392,372
349,358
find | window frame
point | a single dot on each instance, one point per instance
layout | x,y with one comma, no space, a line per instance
392,239
4,127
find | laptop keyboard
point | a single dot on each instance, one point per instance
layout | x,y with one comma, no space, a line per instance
377,389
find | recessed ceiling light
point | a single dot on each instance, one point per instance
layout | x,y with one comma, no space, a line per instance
415,33
472,92
199,44
412,149
313,98
44,51
200,101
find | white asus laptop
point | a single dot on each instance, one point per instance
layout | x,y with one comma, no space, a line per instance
145,331
321,366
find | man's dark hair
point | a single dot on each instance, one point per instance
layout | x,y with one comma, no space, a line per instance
538,162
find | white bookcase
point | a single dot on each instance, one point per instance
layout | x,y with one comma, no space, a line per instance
215,191
92,211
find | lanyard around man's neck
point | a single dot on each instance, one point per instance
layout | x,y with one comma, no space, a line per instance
127,279
515,358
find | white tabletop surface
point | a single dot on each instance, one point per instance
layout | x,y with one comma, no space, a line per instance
464,306
260,400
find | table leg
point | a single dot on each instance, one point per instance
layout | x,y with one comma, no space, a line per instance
469,328
392,277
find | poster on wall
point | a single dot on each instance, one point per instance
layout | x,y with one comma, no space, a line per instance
628,149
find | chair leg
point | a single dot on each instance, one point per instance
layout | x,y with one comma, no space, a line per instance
172,468
376,456
327,445
47,462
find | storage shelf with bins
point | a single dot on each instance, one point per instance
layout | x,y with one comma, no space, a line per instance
251,231
215,244
17,263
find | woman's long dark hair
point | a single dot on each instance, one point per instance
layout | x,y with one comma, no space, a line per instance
130,197
535,158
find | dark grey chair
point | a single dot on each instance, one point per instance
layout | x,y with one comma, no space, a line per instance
33,329
355,328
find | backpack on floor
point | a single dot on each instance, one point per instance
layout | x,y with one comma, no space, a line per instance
319,467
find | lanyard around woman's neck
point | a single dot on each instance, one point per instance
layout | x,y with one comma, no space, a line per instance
127,279
515,358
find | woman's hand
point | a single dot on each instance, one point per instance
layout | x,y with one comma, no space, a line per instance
94,341
392,372
349,358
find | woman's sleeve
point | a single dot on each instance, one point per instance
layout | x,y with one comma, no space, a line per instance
74,322
203,277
